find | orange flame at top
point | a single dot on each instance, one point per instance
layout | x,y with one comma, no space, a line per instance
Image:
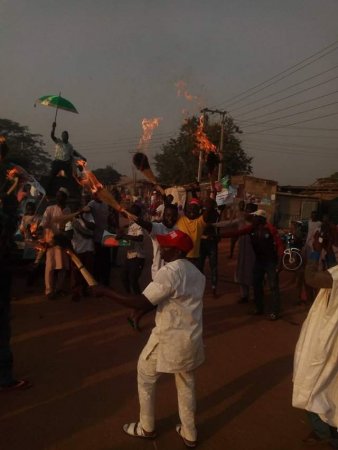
12,173
182,91
87,178
148,126
33,227
203,143
2,139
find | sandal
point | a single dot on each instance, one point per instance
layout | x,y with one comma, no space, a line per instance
187,443
16,385
135,430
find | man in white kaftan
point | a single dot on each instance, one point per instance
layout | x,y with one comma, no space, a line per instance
175,344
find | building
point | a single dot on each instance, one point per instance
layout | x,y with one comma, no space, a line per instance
297,202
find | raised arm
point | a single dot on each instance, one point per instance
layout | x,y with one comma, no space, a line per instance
15,182
139,302
227,224
52,134
234,233
148,226
78,155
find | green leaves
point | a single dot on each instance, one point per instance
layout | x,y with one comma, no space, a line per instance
177,163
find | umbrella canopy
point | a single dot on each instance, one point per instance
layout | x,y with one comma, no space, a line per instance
58,102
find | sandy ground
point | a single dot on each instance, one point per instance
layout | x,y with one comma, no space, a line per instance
82,359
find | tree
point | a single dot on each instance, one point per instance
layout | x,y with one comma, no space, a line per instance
25,148
178,161
108,175
334,176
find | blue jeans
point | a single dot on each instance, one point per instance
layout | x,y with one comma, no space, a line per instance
209,249
6,357
261,269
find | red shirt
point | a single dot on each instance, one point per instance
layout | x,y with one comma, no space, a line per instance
265,241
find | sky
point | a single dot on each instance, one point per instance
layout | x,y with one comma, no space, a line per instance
118,62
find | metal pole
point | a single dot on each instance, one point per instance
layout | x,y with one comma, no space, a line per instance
200,165
221,146
57,108
200,156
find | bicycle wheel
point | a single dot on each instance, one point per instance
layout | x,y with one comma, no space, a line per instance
292,260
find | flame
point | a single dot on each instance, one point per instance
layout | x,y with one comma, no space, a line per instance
203,142
182,91
40,246
2,139
33,227
81,163
12,173
87,179
148,126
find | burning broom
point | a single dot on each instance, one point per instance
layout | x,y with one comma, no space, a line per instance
141,162
64,242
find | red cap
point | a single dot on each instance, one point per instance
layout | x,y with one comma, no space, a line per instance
176,239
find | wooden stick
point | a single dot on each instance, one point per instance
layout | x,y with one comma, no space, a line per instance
64,242
84,272
141,163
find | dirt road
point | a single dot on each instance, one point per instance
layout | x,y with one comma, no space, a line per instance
82,358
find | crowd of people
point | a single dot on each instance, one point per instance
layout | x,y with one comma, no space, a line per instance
183,238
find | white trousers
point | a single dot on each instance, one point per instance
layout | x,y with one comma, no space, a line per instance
147,377
56,259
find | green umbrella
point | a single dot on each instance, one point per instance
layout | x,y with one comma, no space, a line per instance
58,102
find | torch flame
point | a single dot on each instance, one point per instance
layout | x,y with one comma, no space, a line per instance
87,179
203,143
2,139
182,91
12,173
148,126
33,227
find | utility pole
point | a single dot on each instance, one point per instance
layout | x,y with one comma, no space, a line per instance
222,113
200,155
221,146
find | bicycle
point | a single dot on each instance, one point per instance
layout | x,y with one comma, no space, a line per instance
292,257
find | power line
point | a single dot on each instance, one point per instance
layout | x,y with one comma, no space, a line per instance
283,144
316,136
289,151
288,96
134,142
113,149
302,128
294,114
334,45
130,139
291,124
293,106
